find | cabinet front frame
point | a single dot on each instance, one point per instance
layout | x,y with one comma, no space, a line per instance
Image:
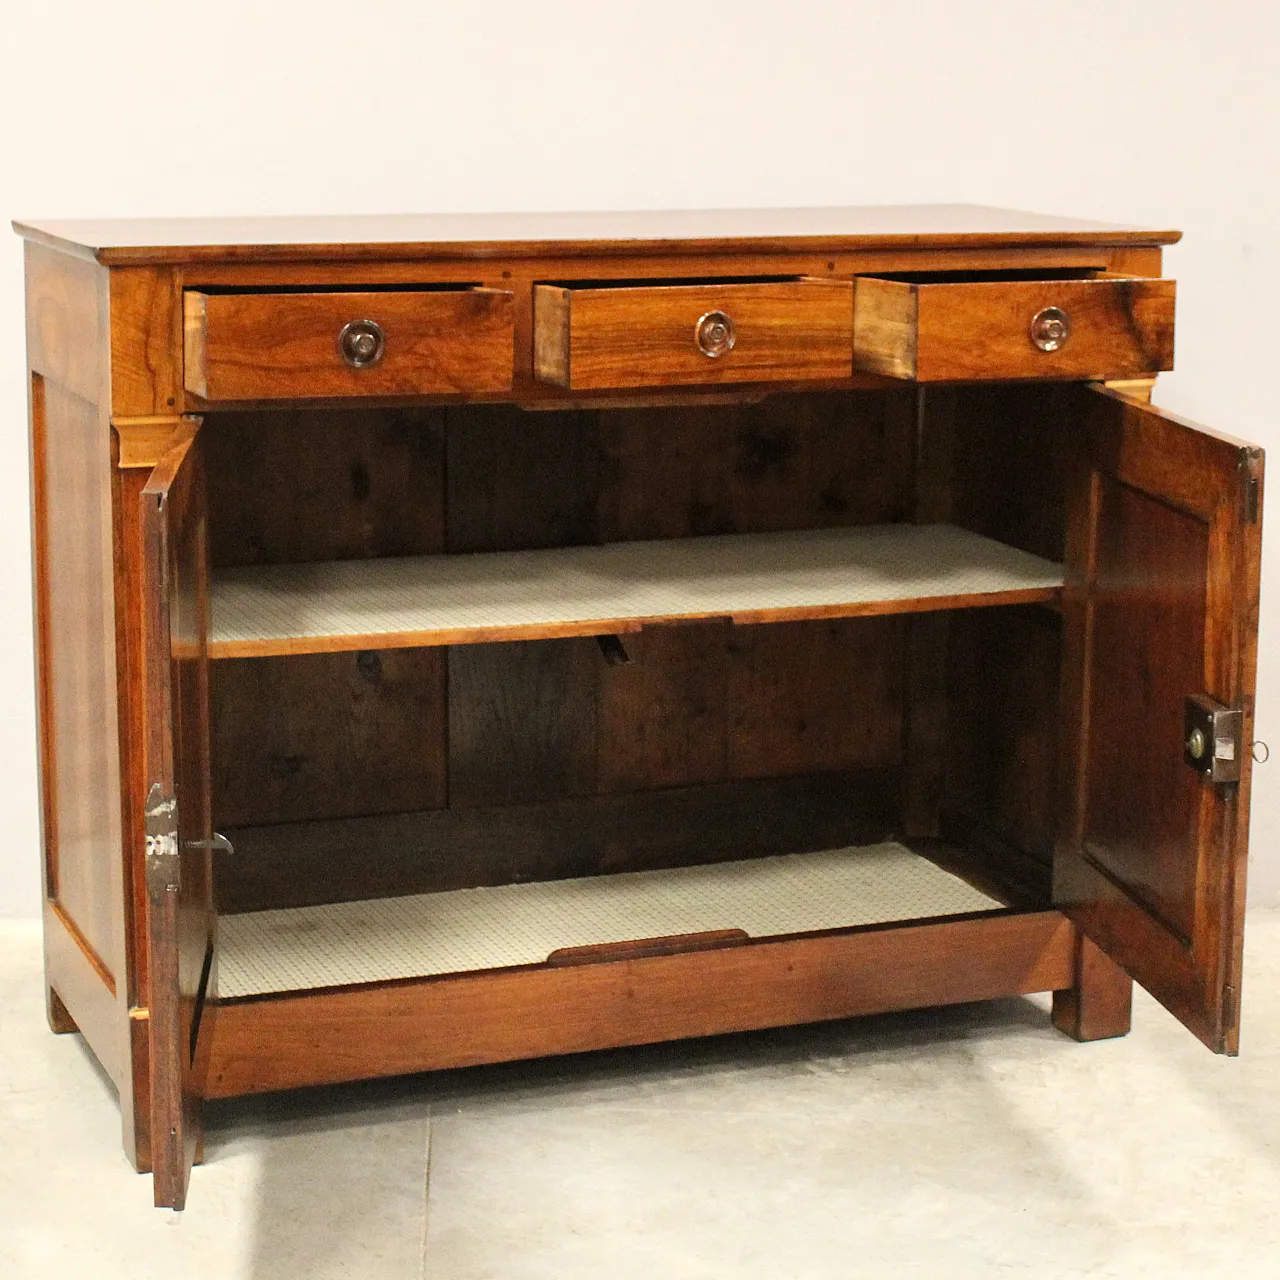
140,340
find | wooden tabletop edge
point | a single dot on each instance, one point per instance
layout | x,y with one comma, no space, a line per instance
368,237
38,235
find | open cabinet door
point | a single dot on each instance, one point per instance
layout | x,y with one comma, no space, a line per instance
1161,612
175,605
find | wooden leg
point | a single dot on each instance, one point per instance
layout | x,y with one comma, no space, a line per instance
1100,1004
60,1021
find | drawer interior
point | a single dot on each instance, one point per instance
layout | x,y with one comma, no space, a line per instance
320,289
379,792
986,276
580,285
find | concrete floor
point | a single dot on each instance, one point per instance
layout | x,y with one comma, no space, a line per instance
970,1142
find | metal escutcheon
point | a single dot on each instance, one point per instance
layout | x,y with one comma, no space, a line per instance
715,334
362,343
1050,328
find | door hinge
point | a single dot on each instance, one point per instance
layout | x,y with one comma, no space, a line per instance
1212,738
163,861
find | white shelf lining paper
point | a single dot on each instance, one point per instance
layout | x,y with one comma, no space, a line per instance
466,930
728,575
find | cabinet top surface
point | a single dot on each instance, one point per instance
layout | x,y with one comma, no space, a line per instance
484,235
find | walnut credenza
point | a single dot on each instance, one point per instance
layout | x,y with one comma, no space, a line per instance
589,630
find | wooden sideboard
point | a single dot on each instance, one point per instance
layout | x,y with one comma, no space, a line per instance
589,630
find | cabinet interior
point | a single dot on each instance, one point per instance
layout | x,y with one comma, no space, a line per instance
358,774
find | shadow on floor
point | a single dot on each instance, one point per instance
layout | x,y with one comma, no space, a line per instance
343,1170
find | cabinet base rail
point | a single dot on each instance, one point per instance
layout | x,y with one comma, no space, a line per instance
288,1041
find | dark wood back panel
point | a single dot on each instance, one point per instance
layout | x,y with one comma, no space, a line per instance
806,461
1013,448
327,735
1001,742
293,485
535,724
297,864
517,479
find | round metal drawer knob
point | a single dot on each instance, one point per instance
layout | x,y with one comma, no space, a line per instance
362,343
1050,328
715,334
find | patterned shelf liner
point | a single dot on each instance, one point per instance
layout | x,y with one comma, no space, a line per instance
466,930
459,597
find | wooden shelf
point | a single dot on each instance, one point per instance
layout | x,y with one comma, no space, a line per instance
597,590
571,921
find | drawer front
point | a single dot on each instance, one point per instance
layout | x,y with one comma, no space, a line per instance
690,334
971,330
273,346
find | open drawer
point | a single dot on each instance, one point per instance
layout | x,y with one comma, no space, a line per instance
393,342
958,326
596,335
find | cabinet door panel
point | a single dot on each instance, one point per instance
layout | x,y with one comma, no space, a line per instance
1161,605
175,602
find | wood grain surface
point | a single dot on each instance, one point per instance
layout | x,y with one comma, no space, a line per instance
89,937
1099,1003
637,233
958,331
372,770
1161,603
646,336
263,346
181,920
356,1033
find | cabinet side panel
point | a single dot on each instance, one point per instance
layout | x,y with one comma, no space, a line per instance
75,615
78,672
73,562
66,317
